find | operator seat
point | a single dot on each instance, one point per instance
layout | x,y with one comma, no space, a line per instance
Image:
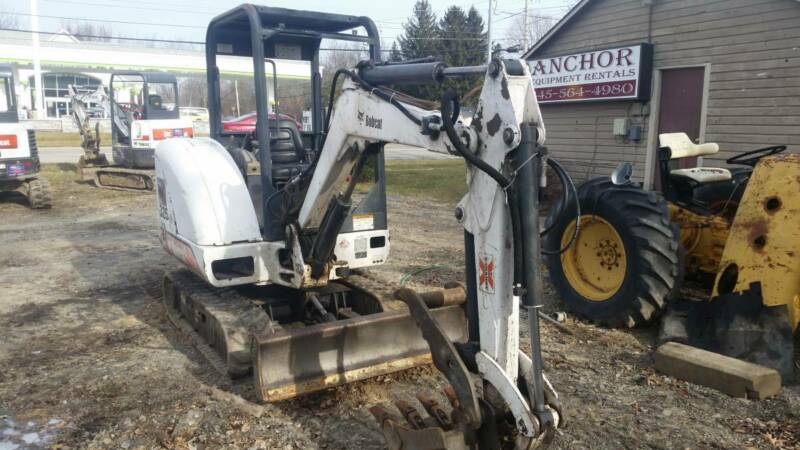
702,189
155,101
680,146
287,150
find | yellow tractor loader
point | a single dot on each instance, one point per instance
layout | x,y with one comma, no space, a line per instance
729,236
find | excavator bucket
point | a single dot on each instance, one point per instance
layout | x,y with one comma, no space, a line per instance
294,362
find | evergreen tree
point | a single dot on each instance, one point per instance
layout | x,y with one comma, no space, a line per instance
455,45
458,39
419,41
395,54
477,48
419,32
496,48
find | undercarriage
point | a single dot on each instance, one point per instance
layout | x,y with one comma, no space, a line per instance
305,341
104,175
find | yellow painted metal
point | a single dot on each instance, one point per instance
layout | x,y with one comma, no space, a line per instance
764,242
596,264
702,237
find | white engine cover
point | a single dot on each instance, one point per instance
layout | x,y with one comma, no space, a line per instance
202,196
149,133
14,141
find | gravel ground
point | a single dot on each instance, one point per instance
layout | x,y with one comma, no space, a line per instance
89,361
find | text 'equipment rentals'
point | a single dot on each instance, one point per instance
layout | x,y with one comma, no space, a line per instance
277,228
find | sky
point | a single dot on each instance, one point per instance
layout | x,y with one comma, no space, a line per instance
187,19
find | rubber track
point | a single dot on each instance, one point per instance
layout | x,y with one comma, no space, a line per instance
128,173
39,194
222,321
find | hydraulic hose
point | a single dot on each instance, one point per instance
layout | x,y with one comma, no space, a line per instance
573,191
449,107
332,96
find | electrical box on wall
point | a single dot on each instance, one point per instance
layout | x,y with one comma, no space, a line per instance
635,133
621,127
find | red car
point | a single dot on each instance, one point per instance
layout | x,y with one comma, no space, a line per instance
247,123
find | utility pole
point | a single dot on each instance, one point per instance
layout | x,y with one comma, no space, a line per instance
489,35
37,62
236,90
525,32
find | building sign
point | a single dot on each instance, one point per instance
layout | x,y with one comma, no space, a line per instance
621,73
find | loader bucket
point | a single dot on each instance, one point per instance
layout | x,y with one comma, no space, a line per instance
740,325
297,361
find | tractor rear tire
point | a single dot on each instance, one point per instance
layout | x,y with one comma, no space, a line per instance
38,192
626,261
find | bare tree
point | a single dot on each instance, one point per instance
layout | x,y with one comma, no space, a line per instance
8,19
193,91
538,26
87,31
341,55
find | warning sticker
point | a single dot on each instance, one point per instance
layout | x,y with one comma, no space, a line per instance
363,222
486,273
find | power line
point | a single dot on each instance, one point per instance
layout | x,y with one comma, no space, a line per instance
108,38
106,5
107,20
175,41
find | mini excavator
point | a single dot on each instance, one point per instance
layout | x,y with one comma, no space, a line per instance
148,115
276,247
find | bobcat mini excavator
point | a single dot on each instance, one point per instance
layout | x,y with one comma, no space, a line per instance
274,244
19,155
148,116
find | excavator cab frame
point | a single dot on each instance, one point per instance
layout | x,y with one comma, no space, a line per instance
131,146
9,115
267,35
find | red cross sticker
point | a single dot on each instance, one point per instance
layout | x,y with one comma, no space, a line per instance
486,278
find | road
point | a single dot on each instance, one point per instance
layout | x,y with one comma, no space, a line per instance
56,155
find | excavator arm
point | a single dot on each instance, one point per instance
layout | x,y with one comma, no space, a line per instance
500,216
90,136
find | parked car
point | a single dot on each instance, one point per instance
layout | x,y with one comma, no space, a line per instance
247,123
194,113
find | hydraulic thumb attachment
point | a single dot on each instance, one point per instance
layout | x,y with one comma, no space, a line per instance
499,395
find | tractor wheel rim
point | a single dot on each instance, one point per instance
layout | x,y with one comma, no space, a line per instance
596,264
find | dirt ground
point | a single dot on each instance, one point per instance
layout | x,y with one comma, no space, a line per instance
88,360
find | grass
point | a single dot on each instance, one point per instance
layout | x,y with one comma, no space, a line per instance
59,139
63,179
437,180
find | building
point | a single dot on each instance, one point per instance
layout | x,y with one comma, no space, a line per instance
66,60
613,74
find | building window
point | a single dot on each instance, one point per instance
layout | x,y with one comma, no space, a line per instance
56,90
6,92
